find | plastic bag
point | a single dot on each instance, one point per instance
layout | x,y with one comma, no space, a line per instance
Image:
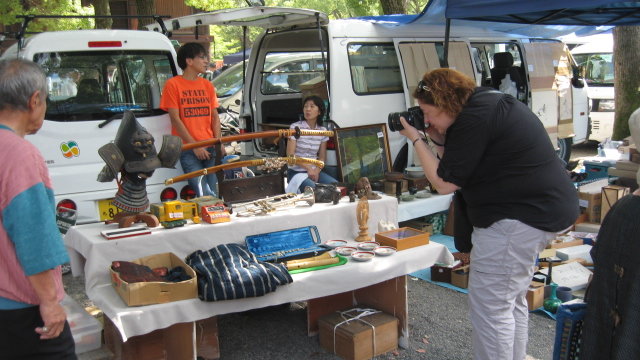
508,87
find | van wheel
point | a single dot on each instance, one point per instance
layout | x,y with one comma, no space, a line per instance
564,149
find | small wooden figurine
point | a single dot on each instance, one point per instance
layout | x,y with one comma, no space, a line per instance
362,215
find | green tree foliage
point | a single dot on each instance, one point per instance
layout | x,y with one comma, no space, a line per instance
228,39
10,8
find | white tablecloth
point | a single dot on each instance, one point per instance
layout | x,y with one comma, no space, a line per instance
333,222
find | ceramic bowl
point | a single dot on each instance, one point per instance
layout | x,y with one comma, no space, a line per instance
368,245
407,197
346,250
385,250
336,243
414,172
363,255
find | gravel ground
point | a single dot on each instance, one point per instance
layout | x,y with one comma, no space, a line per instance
439,329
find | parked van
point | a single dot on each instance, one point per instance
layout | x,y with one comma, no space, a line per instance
595,58
93,76
374,64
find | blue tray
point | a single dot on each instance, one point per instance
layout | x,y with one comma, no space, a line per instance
285,244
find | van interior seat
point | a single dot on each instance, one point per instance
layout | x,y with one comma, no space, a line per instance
89,91
503,65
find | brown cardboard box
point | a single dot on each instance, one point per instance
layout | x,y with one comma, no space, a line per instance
316,86
402,238
156,292
460,277
354,340
592,203
535,295
611,194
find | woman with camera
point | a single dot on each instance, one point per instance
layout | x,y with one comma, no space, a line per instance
313,147
496,153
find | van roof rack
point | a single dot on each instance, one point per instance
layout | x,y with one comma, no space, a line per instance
26,19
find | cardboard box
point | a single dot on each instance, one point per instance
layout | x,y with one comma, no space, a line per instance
316,86
591,202
402,238
156,292
575,252
535,295
460,277
611,194
354,339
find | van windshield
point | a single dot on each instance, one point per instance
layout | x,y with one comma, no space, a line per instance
597,68
229,81
100,85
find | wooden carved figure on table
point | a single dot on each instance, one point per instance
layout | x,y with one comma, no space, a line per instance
133,156
362,215
363,188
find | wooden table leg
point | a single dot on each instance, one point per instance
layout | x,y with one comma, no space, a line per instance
389,296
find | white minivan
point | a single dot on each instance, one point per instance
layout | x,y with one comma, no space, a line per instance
374,63
93,76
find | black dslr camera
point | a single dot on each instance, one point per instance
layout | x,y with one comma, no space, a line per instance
413,115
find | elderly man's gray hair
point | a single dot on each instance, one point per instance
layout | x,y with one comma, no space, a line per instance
19,79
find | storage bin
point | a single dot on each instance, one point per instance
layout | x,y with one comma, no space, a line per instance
86,330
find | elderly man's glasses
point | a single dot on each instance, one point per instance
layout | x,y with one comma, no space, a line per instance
422,86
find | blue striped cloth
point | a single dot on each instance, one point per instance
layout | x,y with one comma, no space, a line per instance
230,271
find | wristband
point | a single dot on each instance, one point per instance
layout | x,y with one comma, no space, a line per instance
415,141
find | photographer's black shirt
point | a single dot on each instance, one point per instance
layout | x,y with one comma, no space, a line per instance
499,153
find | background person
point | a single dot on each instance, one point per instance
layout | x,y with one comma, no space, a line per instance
312,147
33,322
192,102
610,329
496,152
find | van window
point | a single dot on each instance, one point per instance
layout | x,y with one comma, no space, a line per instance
283,73
98,85
597,68
229,81
374,68
485,53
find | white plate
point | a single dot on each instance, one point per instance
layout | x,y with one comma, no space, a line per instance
336,243
363,255
385,250
346,250
368,245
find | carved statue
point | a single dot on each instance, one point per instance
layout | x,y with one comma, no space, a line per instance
362,215
133,156
363,186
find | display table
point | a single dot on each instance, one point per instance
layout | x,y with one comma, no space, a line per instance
333,222
416,208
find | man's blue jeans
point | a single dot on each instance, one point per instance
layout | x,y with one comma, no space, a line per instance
190,163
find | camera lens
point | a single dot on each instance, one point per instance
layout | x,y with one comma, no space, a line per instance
394,121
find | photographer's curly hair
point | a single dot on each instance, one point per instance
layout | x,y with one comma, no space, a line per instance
446,89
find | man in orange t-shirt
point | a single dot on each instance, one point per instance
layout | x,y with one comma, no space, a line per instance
191,102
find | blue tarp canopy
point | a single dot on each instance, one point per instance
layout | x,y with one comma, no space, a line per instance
236,57
546,12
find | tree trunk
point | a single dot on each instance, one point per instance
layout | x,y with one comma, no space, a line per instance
626,47
390,7
145,7
101,7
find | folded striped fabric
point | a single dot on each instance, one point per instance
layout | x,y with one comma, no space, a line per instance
230,271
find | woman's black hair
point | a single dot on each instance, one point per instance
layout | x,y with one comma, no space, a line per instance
317,100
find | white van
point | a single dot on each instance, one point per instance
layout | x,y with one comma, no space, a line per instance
595,58
374,64
93,76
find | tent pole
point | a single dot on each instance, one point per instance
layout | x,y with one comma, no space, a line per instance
446,43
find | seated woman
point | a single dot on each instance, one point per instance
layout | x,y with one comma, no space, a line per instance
313,147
